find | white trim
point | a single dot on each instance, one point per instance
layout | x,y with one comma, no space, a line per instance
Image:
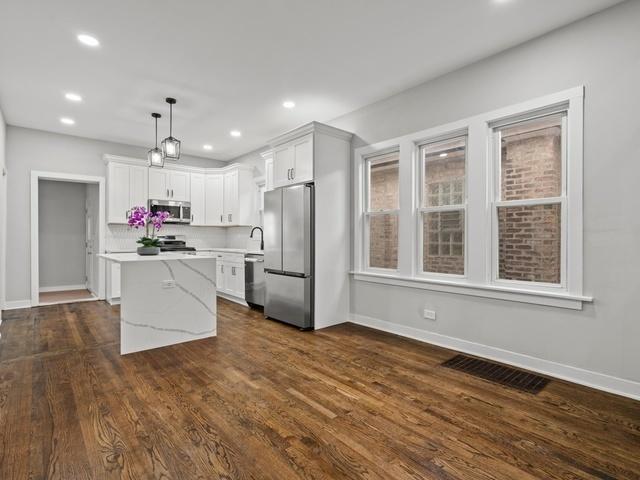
232,298
479,220
17,304
37,175
588,378
498,292
63,288
308,128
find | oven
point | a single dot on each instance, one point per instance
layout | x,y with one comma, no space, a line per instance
179,212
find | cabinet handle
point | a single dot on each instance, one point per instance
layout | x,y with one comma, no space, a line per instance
167,193
192,217
230,217
293,173
221,219
233,271
221,268
172,193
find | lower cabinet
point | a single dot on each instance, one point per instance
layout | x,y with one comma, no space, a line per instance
113,283
230,275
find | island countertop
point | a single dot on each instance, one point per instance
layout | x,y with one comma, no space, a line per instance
134,257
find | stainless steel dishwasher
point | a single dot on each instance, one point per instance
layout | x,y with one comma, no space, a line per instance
254,279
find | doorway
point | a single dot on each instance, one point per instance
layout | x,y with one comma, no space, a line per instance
67,234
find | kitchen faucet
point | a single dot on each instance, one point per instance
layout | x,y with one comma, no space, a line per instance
261,236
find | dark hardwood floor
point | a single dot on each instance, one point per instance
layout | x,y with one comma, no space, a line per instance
265,401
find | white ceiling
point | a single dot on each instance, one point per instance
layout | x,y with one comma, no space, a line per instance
231,64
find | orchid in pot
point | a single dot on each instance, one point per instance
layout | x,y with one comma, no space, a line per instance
140,217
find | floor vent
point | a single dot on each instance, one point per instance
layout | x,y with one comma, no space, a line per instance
497,373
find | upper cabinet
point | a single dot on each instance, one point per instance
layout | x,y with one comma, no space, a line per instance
165,184
214,197
219,196
293,162
268,170
198,210
127,188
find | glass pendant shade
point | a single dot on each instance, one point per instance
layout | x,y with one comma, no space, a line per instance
170,145
155,158
171,148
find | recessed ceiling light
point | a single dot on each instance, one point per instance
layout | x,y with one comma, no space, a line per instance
207,147
235,133
288,104
88,40
442,155
67,120
74,97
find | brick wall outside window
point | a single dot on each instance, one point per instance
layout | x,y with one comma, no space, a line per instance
443,232
529,237
383,229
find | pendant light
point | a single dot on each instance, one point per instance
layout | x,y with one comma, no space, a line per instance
170,145
154,156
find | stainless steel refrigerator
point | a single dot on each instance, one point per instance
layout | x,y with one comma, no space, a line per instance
288,255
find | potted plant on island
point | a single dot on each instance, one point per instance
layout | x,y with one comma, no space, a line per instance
140,217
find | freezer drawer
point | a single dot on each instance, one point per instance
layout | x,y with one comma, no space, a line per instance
289,299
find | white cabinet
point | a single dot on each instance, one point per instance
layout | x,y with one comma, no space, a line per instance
239,205
230,198
198,212
220,285
293,162
230,275
126,188
268,170
214,198
167,184
113,283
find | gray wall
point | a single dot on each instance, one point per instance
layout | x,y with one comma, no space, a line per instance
3,208
29,150
602,52
61,226
254,159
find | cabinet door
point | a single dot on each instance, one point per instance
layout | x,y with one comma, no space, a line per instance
214,198
220,283
282,165
268,174
234,279
231,198
302,160
118,193
115,280
197,199
179,186
138,186
158,184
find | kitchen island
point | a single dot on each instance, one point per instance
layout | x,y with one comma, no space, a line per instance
165,299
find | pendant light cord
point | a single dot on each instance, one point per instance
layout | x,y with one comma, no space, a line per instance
156,132
170,119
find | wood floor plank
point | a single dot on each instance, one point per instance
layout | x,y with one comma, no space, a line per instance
266,401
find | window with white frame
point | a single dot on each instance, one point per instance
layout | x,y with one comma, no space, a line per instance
381,215
530,193
441,214
491,205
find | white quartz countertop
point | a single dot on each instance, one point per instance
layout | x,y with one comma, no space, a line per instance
134,257
201,250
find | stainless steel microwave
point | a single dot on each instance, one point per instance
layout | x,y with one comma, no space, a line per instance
179,212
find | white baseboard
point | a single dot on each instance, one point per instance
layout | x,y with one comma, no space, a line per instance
15,304
599,381
233,299
62,288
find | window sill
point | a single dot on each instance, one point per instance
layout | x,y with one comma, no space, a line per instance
560,300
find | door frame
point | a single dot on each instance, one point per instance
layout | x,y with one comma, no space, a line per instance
36,176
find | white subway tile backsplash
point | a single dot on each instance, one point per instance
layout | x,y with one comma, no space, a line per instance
122,237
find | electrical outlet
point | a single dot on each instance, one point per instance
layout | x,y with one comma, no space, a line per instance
429,314
168,284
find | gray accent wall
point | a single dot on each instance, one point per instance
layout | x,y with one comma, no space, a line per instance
3,209
602,53
28,150
62,234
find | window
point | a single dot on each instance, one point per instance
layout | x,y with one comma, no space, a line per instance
489,206
530,200
442,207
381,216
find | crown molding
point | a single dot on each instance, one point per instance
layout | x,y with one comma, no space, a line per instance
107,157
312,127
